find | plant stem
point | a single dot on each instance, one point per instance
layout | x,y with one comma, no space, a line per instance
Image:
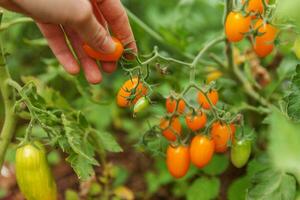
8,99
21,20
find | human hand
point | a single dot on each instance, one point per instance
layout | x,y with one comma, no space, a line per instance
80,22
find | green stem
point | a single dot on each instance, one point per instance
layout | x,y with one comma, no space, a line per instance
8,99
201,53
21,20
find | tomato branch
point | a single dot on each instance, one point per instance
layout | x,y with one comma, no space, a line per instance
21,20
8,100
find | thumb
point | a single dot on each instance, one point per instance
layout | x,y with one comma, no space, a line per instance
91,31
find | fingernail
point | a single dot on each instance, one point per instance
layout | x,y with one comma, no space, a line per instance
108,45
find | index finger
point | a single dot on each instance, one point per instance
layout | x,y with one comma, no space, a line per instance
117,19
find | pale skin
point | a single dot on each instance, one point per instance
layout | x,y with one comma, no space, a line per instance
81,23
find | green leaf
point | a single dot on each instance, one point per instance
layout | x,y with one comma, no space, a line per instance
237,189
284,146
204,189
82,168
272,184
217,166
109,142
293,103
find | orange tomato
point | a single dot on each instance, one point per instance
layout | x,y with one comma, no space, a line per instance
123,96
201,150
264,43
178,160
196,122
221,134
108,57
171,105
212,95
236,26
170,131
255,6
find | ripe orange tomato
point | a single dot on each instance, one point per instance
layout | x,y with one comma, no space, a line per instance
178,160
255,6
196,122
173,130
221,134
212,95
171,105
108,57
264,43
236,26
201,150
126,91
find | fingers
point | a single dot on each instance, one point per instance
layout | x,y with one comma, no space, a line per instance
90,67
109,67
58,45
76,14
115,14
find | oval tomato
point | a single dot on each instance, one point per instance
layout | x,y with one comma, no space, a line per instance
212,95
236,26
196,121
264,43
221,134
201,150
107,57
170,131
240,152
178,160
171,105
255,6
214,75
141,105
124,95
33,173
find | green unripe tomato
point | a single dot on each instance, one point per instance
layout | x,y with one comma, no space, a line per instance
240,153
141,105
34,177
297,47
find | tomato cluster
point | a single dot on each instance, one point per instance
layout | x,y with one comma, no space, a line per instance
239,24
199,150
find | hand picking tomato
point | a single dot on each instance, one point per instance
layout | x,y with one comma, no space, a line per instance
196,121
127,96
240,153
107,57
264,43
171,105
201,150
221,134
178,160
170,131
236,26
212,95
33,173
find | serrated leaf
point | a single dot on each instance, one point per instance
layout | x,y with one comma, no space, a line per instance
272,184
203,189
82,168
217,166
109,142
